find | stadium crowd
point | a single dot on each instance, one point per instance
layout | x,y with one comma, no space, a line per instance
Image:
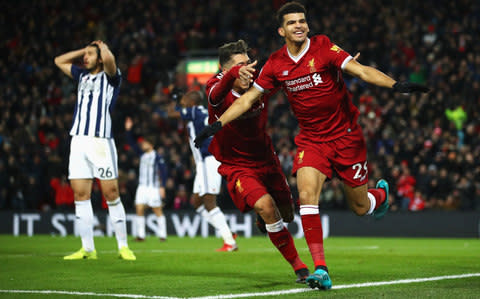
426,146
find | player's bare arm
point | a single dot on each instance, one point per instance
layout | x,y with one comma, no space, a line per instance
368,74
64,61
109,65
240,106
373,76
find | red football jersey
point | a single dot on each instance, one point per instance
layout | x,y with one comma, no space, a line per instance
314,86
244,141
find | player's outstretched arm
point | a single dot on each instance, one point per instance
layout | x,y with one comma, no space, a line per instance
64,61
109,65
239,106
373,76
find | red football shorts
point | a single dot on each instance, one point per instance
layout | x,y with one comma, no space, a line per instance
247,185
347,156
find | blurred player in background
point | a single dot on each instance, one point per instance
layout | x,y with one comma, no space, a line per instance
245,151
152,176
92,150
207,181
330,140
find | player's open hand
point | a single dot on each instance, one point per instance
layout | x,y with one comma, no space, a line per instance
246,72
208,131
409,87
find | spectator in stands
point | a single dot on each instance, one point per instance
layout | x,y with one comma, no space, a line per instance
63,193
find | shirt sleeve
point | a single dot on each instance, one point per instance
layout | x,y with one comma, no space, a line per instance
76,72
266,79
335,55
115,80
217,92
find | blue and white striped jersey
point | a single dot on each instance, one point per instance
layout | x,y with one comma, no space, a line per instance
153,169
96,98
197,119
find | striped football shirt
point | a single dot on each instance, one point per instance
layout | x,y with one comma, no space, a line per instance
96,97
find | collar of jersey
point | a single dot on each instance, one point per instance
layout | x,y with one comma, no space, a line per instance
299,56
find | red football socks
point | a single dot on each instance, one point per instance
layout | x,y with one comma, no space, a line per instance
284,242
379,195
312,228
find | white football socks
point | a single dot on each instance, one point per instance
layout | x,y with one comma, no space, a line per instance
84,219
140,226
275,227
218,220
162,227
204,213
117,215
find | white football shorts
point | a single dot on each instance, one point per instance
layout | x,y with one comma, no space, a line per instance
92,157
207,179
149,196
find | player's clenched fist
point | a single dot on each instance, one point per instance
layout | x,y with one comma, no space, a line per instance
208,131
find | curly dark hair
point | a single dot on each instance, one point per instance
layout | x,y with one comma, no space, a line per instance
287,8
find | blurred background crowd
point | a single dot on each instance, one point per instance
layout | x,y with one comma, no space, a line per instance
426,146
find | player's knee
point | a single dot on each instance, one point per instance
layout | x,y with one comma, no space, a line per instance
267,210
210,202
111,194
140,211
307,197
81,195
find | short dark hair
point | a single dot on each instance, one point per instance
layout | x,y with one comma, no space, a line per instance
226,51
288,8
196,96
150,139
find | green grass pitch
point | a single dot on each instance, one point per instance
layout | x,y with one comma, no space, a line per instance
190,267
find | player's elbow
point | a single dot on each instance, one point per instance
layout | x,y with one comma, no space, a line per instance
57,61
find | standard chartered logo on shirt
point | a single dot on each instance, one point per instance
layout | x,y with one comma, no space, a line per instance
303,83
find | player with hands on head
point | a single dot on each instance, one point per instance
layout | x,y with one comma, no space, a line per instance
92,150
248,162
207,183
309,70
152,177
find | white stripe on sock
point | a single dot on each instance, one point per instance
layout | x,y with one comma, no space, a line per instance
373,203
275,227
308,210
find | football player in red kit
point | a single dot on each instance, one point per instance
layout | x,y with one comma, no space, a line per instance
245,151
309,70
